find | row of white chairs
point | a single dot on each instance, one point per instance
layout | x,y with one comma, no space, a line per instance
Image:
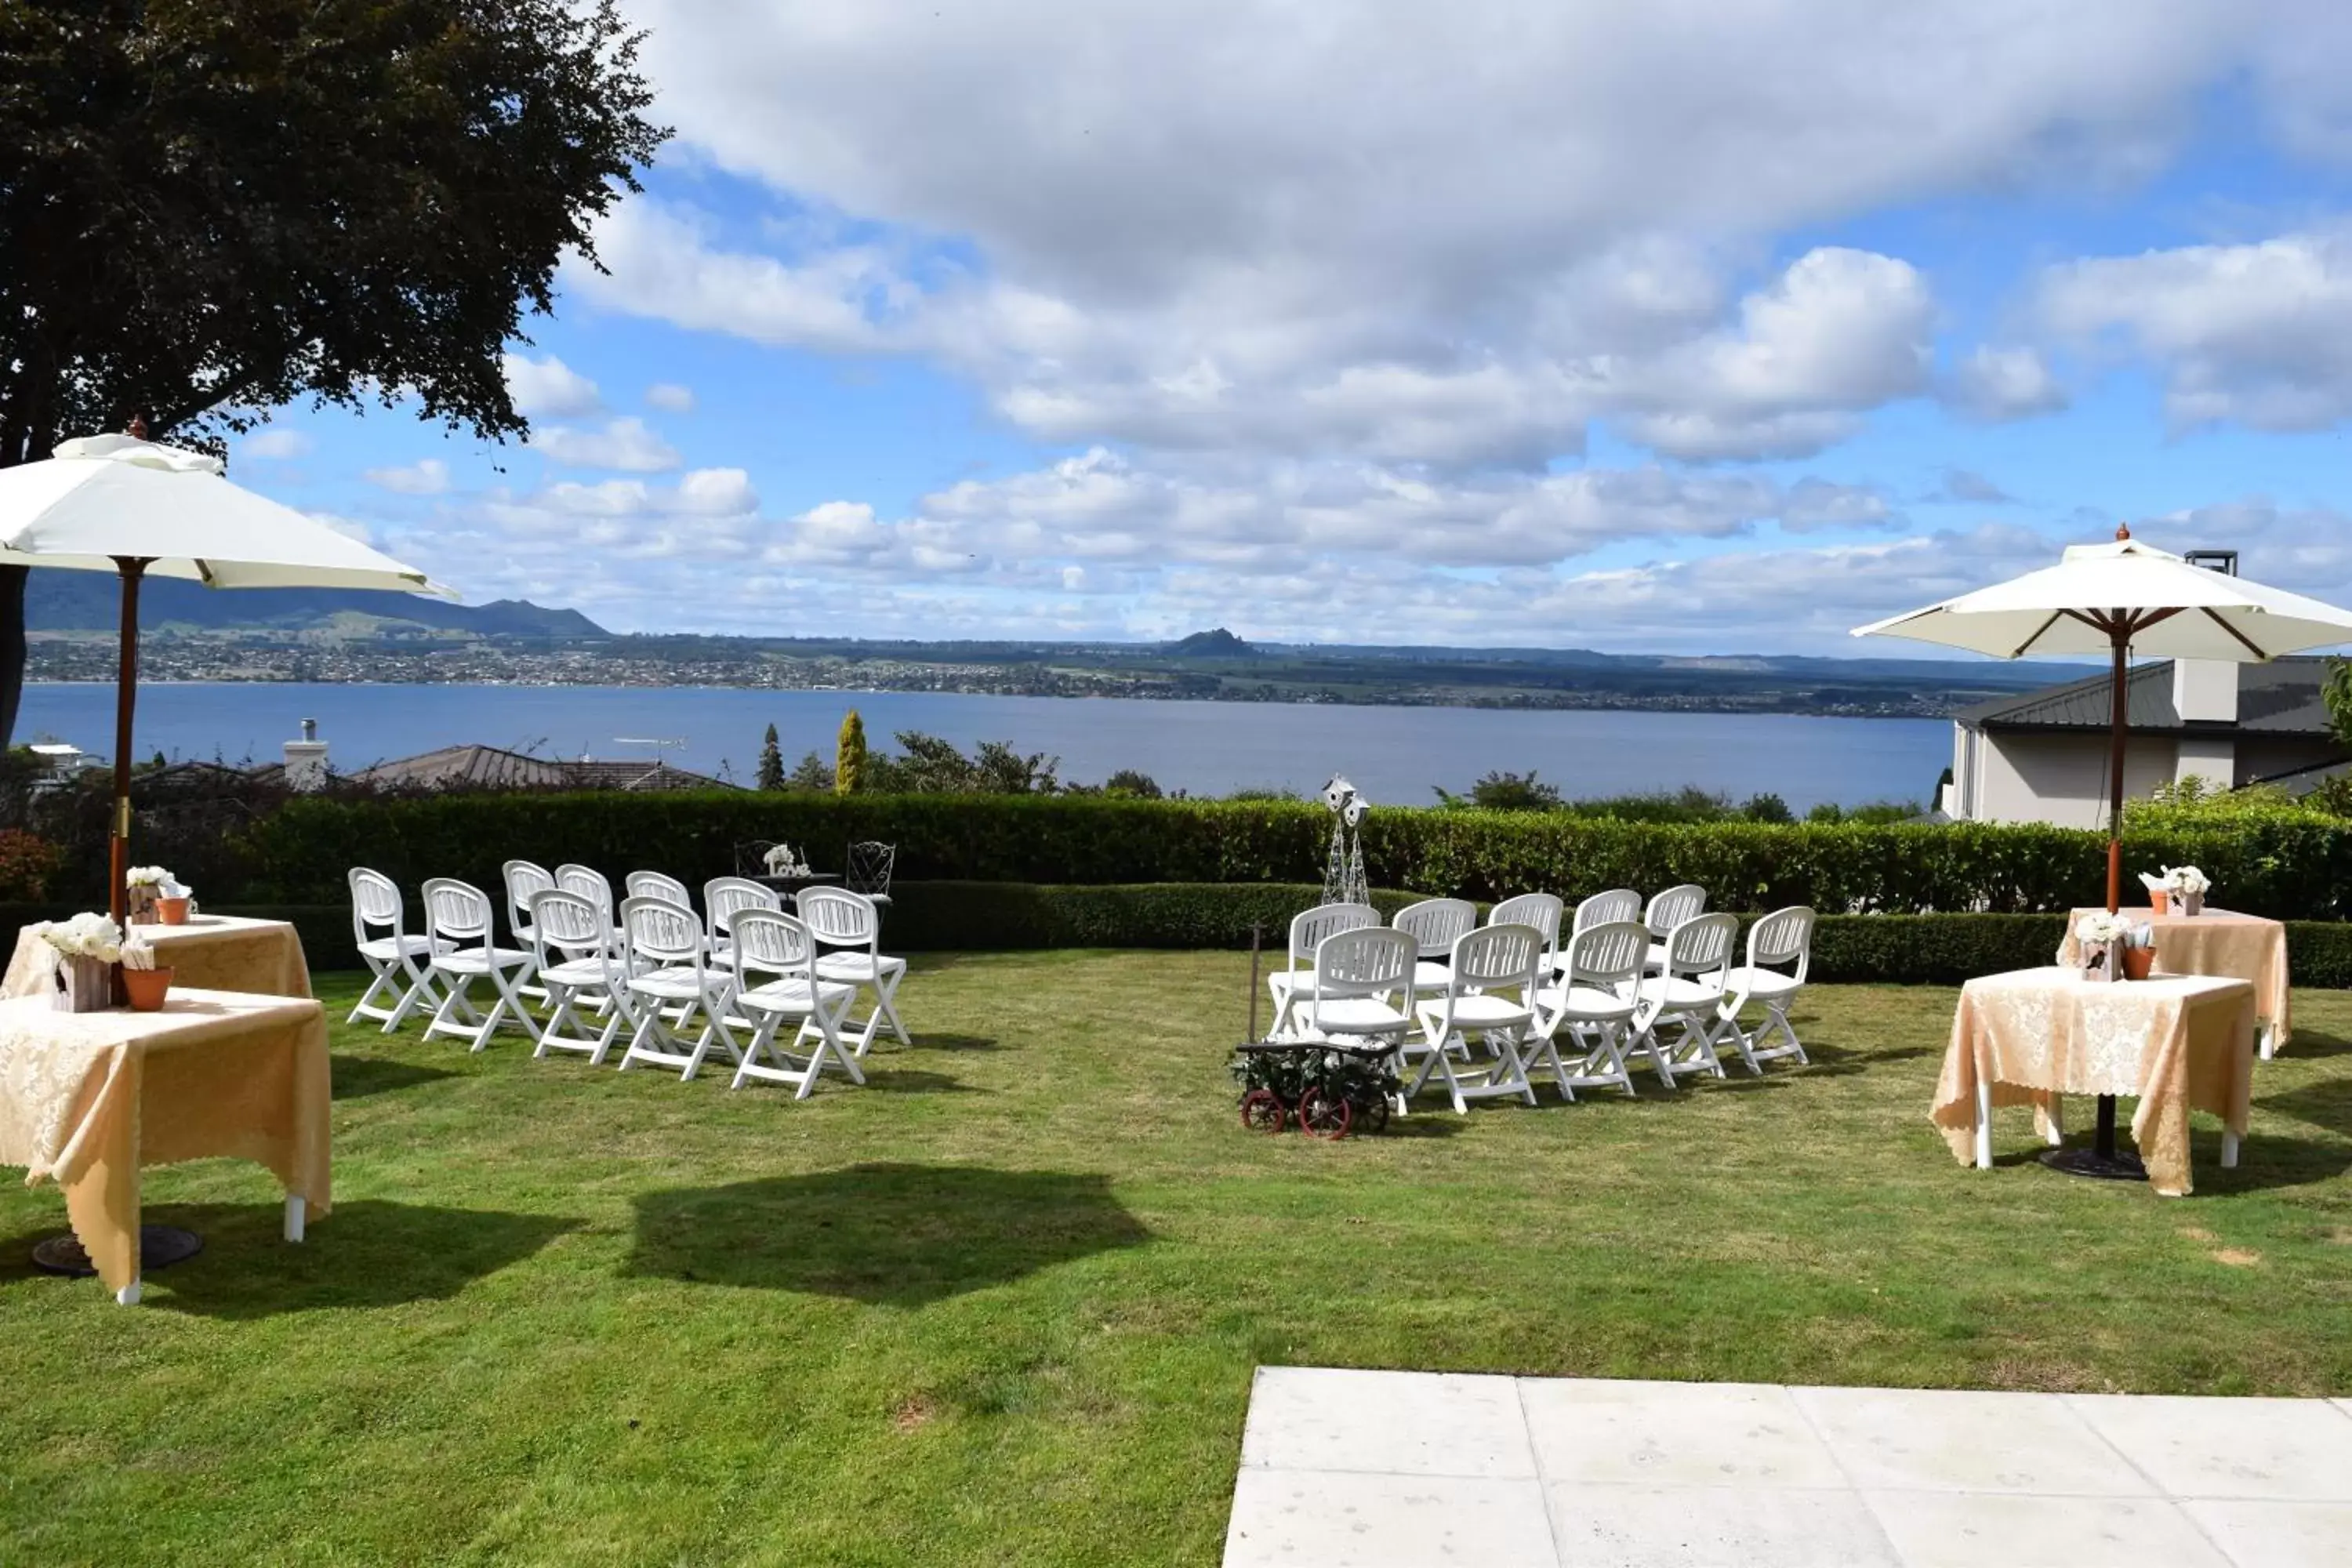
1582,1013
681,985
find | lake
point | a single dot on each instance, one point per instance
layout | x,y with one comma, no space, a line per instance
1394,755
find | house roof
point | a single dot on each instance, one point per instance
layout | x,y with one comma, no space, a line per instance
2300,782
493,768
2281,698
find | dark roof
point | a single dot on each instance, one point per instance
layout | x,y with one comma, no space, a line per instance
491,768
2281,698
2300,782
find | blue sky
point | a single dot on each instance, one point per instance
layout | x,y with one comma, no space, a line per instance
1687,327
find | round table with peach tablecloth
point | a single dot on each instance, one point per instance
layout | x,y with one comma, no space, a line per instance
210,952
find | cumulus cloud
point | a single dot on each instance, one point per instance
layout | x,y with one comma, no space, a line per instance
627,443
1968,488
548,386
425,477
275,444
1996,382
670,398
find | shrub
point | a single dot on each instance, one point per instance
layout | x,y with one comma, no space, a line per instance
27,864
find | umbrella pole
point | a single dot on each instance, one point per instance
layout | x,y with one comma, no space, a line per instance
126,695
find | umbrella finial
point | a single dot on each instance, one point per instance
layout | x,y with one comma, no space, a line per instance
2123,531
137,429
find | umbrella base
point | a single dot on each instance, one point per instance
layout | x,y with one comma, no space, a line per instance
2118,1167
160,1246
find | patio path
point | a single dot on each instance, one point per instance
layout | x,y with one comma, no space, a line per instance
1394,1469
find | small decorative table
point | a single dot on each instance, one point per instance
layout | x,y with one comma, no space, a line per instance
210,952
2241,947
86,1099
2178,1042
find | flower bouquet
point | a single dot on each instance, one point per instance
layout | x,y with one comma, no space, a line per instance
87,948
783,861
2100,937
2188,886
143,885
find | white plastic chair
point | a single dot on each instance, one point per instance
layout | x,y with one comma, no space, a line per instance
1594,1003
722,897
1541,910
1780,951
654,885
669,980
523,878
1490,991
1356,975
1684,901
1689,992
589,883
1436,924
776,984
458,924
1309,930
579,959
848,924
1606,909
388,951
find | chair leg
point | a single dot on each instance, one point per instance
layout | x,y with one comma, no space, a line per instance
885,1001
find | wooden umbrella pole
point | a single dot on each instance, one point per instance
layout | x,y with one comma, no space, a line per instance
2121,728
126,695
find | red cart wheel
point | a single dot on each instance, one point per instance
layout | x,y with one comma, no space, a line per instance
1323,1114
1263,1110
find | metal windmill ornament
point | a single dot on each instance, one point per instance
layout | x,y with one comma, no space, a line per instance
1343,868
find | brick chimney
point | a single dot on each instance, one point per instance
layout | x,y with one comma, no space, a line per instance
305,761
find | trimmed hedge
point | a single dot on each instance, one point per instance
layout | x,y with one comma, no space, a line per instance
2300,868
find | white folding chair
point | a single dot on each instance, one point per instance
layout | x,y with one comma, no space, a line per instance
579,960
723,899
589,883
1686,900
1541,910
670,980
1594,1003
775,984
1349,995
1308,928
849,934
1490,991
654,885
523,878
1606,909
1688,990
1780,951
464,949
388,951
1436,924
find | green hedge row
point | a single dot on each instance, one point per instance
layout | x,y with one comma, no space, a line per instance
2293,870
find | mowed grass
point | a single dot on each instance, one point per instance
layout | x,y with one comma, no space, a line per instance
1004,1305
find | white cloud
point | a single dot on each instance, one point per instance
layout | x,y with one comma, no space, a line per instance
2257,335
548,386
670,398
627,443
425,477
275,444
1967,488
348,527
1999,382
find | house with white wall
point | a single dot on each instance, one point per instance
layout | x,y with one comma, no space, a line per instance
2043,756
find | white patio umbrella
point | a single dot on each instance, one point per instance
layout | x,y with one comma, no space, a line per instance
138,508
2122,599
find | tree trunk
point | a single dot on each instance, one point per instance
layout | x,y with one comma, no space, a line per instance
12,648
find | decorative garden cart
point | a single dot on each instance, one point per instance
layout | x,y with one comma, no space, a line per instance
1329,1089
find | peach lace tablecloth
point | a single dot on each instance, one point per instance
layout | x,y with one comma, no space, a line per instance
210,952
88,1099
2180,1043
2242,947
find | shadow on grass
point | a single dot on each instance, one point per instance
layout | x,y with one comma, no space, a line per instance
370,1252
915,1080
932,1042
356,1077
2327,1104
894,1235
2263,1163
2306,1044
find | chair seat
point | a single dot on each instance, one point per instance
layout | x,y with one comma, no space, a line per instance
392,947
857,967
1586,1003
791,995
678,981
1428,974
1358,1015
1764,984
1674,991
1486,1010
574,971
479,961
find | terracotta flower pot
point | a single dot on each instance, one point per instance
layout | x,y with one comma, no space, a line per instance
2160,900
173,911
146,988
2139,962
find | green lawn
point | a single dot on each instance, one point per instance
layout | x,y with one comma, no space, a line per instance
1004,1305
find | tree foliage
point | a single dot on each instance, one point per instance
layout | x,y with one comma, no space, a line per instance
772,762
849,757
926,765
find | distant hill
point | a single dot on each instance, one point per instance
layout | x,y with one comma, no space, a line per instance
89,600
1217,644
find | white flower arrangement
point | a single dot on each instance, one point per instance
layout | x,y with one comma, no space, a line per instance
2100,928
2187,881
146,877
85,936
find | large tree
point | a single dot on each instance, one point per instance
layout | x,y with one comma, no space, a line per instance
210,209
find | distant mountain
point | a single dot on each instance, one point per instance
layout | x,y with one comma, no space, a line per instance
1217,644
89,600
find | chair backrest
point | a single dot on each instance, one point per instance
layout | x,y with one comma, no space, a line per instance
588,883
1437,924
1782,938
661,932
1609,956
870,864
569,924
751,857
1607,909
723,896
524,877
456,912
774,942
1498,958
1670,909
1309,928
1540,910
836,917
654,885
1702,945
375,904
1364,962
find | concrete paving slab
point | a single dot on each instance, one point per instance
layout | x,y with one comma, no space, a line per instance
1913,1439
1602,1432
1396,1423
2283,1450
1715,1527
1970,1530
1349,1519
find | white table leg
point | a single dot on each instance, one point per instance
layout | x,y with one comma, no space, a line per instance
2229,1149
1984,1124
296,1210
2056,1137
128,1296
2269,1038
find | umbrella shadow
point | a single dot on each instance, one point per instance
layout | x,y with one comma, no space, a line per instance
887,1234
356,1077
2326,1104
